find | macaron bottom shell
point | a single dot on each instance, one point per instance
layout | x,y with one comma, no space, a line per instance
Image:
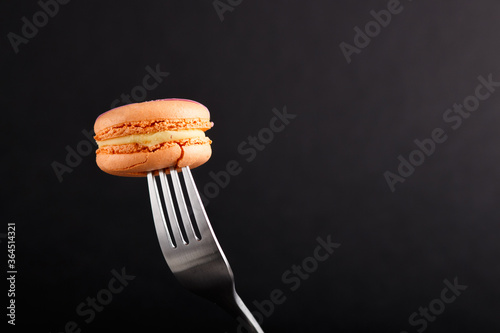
139,164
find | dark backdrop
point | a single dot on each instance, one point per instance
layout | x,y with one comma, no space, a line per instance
321,176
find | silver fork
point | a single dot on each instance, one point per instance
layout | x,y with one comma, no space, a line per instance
195,256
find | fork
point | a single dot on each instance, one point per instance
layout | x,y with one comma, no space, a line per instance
191,249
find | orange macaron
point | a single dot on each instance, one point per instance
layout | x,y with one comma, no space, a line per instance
138,138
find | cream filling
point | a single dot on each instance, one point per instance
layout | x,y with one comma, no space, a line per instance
152,139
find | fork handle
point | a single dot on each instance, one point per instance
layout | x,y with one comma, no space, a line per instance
243,315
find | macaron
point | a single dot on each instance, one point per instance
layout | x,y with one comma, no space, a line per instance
137,138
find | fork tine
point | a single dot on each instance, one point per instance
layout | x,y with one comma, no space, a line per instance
186,220
169,204
162,231
197,205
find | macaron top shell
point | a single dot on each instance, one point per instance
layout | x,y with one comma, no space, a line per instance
173,108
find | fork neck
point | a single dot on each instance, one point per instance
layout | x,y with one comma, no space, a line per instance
235,306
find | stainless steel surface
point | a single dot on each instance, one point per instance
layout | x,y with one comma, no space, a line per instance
196,261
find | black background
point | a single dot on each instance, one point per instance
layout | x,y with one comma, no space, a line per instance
322,175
